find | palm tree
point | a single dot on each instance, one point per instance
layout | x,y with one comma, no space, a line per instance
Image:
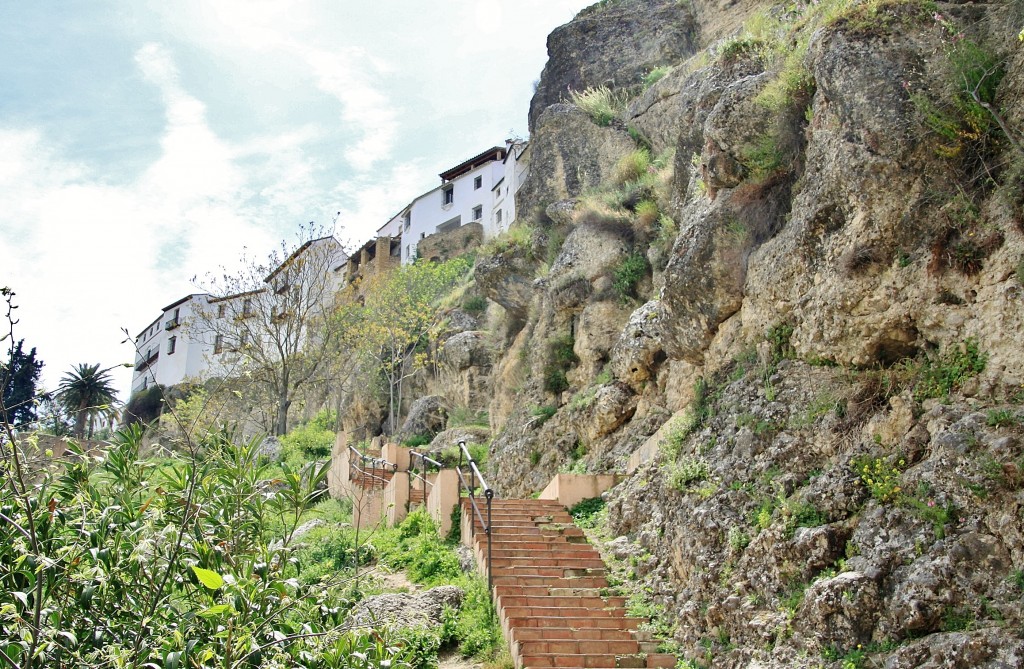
87,392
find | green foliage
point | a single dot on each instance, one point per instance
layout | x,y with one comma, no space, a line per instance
940,374
417,440
586,511
18,377
686,470
184,548
779,338
543,413
655,75
600,103
88,393
737,539
313,440
633,167
881,476
475,305
562,357
1001,418
628,274
416,547
460,416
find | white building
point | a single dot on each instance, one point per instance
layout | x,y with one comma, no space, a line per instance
184,343
165,352
479,190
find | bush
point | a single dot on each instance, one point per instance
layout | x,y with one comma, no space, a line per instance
475,305
628,274
655,75
601,104
562,357
943,373
633,167
688,470
313,441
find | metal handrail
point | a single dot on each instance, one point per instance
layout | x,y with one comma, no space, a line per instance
489,496
414,475
375,464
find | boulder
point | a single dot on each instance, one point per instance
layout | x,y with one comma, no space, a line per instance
427,415
424,609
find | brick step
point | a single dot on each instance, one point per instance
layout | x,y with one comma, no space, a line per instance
520,537
551,633
534,561
555,590
577,647
544,550
610,613
530,580
605,661
572,622
559,601
557,572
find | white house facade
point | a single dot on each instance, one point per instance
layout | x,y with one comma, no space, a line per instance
167,351
479,190
187,342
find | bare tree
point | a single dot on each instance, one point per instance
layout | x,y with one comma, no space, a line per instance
272,322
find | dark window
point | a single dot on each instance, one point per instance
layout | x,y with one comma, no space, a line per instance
218,343
449,194
170,345
477,183
478,213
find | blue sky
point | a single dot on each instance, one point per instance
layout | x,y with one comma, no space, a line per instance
145,143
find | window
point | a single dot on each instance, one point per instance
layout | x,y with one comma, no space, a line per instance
408,219
448,194
408,250
497,217
170,345
247,307
478,212
218,343
220,310
477,183
423,235
243,339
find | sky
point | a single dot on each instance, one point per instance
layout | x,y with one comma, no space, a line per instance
143,144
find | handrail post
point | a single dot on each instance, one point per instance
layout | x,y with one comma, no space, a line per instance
489,494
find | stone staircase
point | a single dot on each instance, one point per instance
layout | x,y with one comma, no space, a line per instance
549,588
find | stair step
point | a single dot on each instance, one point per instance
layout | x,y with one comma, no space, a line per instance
529,580
572,622
567,611
554,601
577,647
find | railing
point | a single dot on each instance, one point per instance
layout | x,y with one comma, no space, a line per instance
355,458
470,486
419,474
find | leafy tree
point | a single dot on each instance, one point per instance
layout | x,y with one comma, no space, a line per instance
400,310
18,379
87,392
271,323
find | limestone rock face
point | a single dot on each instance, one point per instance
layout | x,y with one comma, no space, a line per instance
504,278
403,610
613,44
638,352
569,153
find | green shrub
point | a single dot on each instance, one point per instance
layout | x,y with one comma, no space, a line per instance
543,413
632,167
940,374
475,305
779,337
561,359
628,274
313,440
685,471
881,476
417,440
655,75
600,103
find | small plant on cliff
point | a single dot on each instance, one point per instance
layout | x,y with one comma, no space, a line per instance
881,476
600,103
632,167
561,359
628,274
655,75
940,374
688,469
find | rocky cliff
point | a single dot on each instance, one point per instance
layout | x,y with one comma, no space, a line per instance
775,274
